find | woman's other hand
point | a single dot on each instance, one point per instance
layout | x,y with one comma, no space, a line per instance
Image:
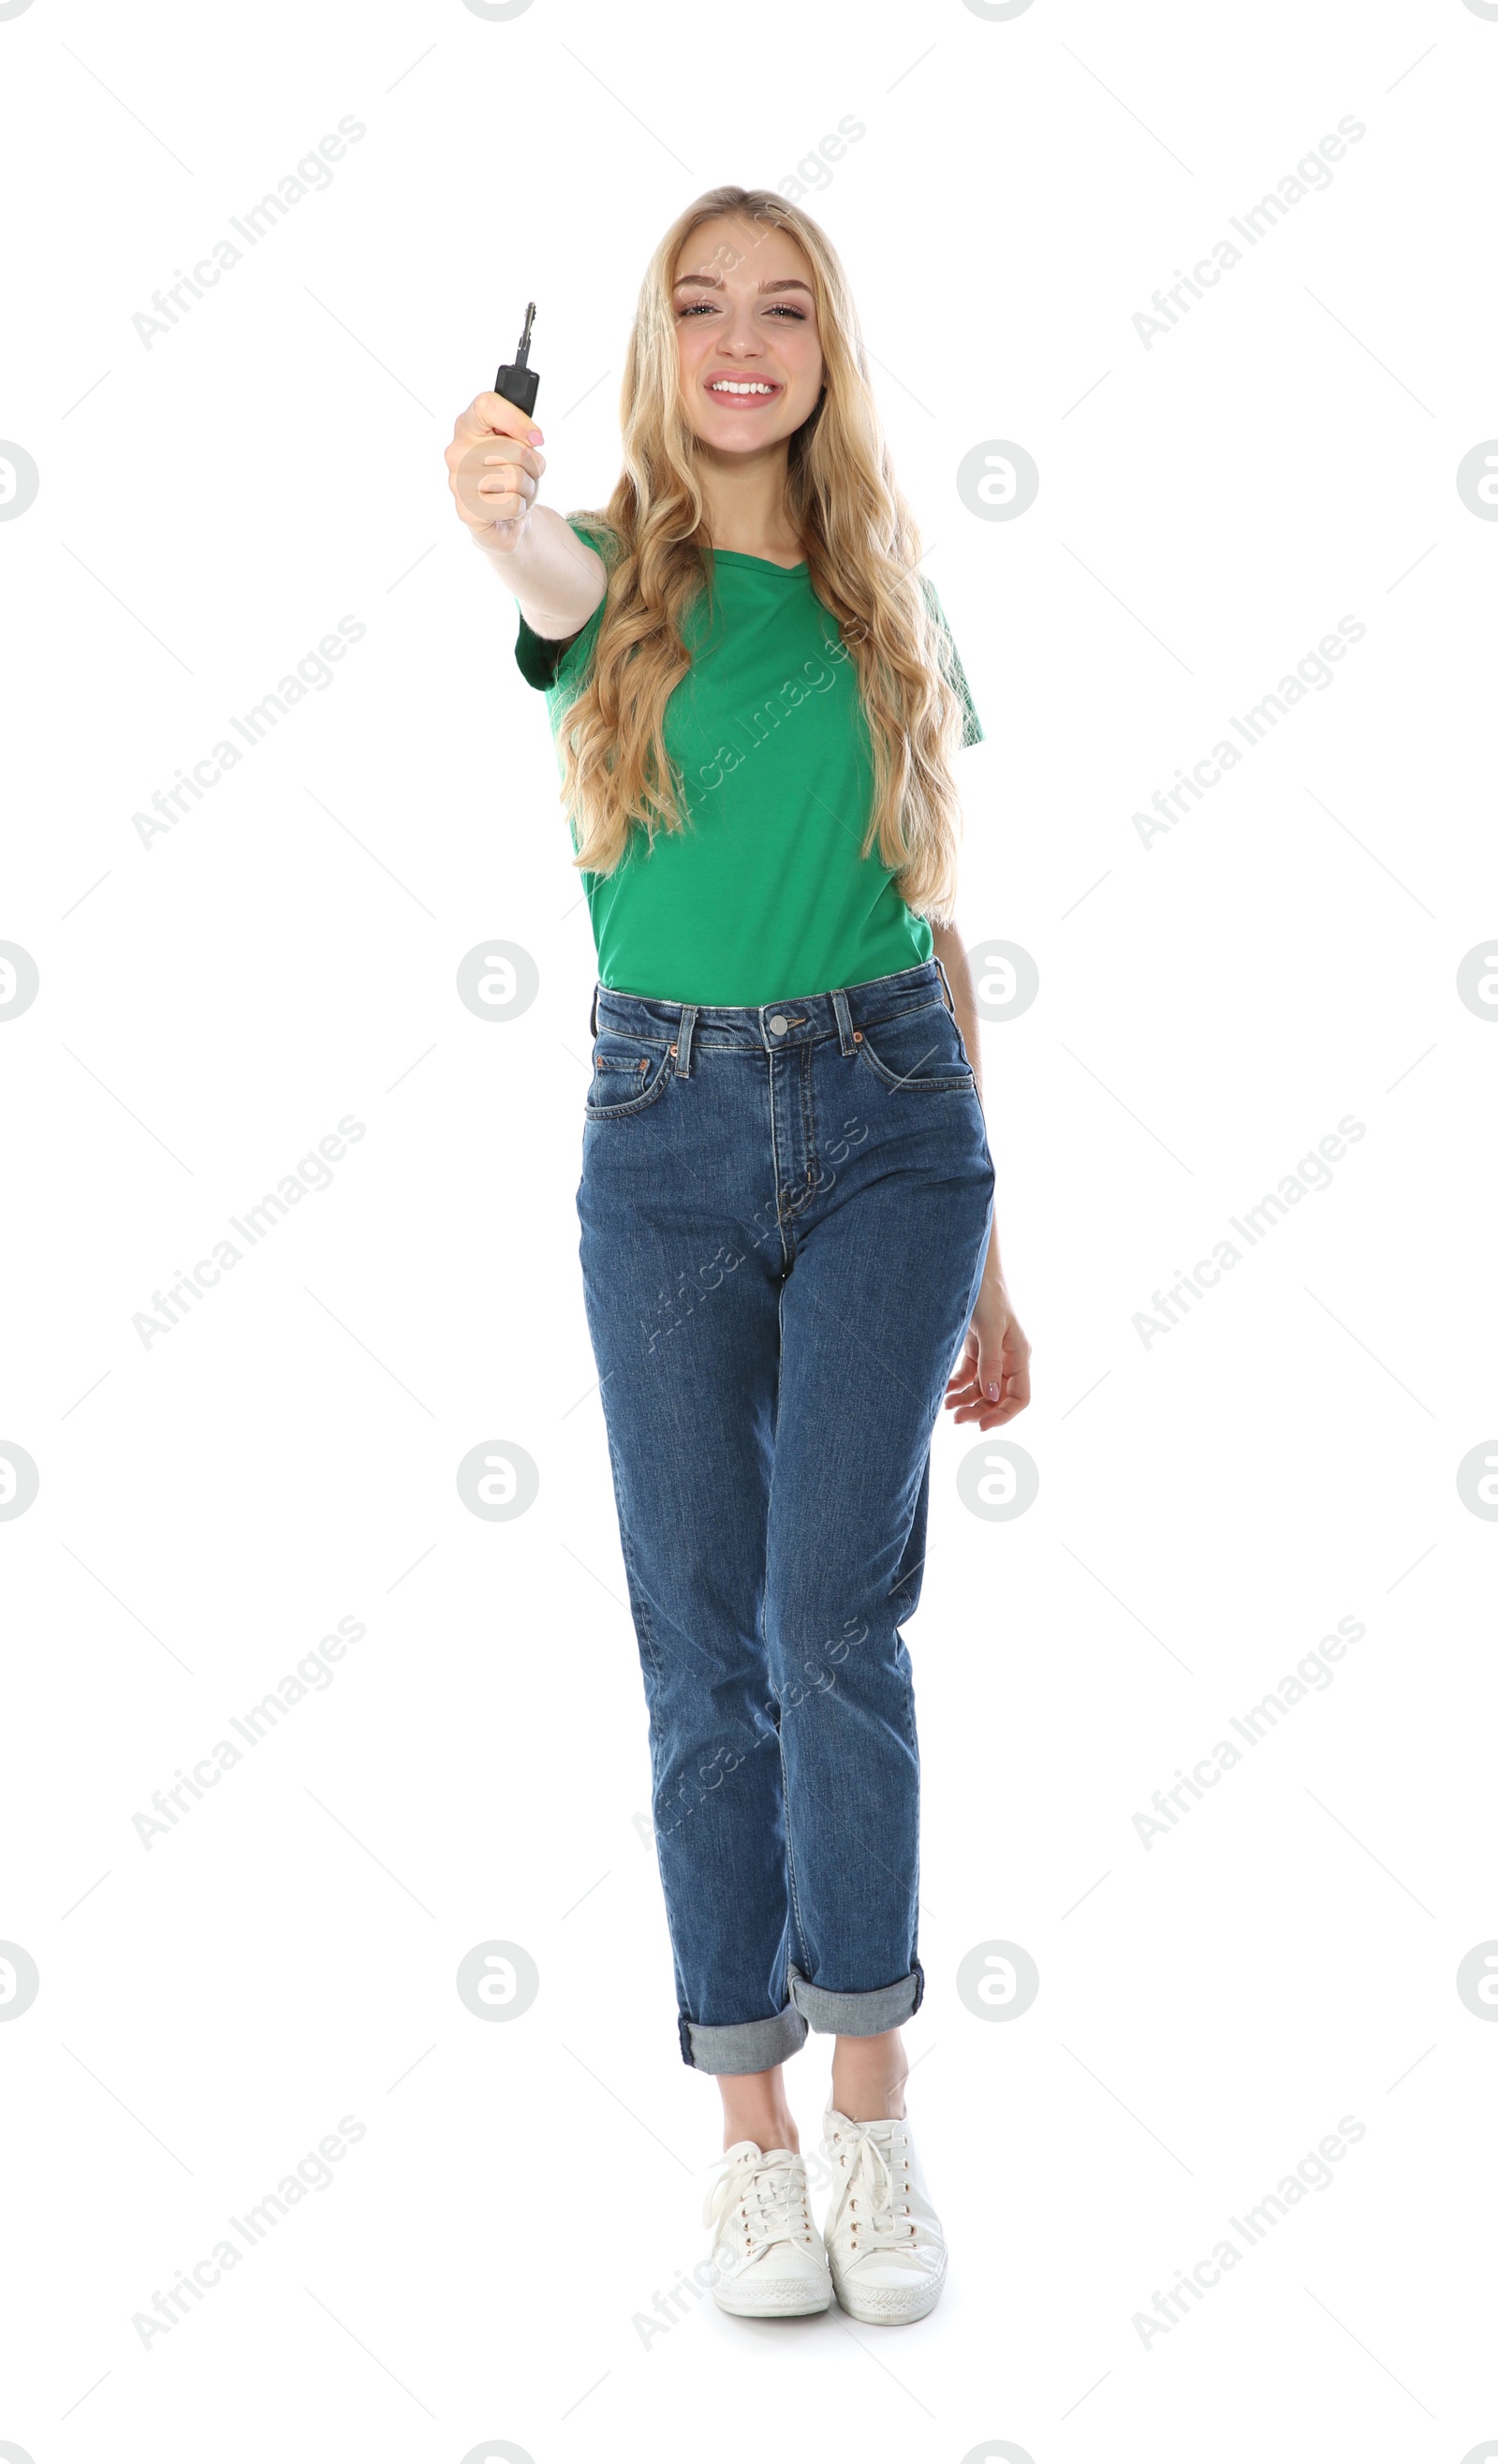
991,1380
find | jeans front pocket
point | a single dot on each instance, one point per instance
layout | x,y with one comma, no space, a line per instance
918,1051
628,1074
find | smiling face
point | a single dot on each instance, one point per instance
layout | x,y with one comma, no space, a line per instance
749,355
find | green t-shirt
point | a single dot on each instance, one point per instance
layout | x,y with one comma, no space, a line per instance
764,895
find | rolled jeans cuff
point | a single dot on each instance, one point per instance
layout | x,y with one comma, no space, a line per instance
857,2015
750,2045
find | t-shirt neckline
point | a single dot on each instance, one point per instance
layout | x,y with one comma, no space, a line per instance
761,563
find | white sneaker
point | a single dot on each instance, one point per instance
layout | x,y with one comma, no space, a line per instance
885,2246
769,2260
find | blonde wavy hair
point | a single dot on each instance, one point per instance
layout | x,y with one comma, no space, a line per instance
862,551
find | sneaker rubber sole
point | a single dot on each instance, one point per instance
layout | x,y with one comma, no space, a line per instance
774,2301
890,2306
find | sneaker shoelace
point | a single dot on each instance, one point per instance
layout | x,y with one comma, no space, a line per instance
770,2201
875,2190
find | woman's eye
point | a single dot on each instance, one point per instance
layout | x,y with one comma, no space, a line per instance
778,308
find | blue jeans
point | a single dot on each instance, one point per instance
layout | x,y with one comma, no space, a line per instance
785,1214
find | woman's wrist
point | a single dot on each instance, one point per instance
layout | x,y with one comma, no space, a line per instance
490,540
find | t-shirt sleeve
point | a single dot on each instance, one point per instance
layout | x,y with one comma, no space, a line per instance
956,676
540,661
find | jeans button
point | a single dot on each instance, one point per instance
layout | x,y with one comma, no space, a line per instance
777,1025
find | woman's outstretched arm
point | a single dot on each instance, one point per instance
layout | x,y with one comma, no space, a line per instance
494,472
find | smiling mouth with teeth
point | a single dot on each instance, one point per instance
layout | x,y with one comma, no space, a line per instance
754,388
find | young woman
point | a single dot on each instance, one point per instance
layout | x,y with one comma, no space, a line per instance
786,1202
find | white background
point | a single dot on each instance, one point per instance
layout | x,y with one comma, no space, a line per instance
1210,1005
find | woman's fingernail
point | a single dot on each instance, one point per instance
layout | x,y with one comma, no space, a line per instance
993,1393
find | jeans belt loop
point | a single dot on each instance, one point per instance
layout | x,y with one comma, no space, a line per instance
947,989
593,1017
682,1048
844,1018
